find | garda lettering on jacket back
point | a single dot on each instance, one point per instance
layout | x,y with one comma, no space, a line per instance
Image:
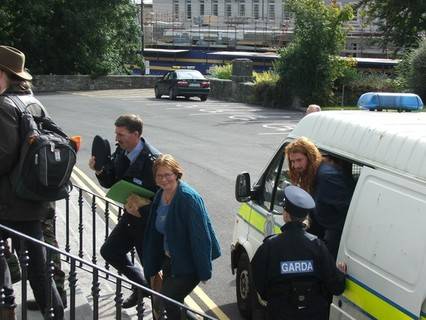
302,266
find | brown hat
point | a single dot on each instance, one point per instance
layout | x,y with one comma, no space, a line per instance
13,60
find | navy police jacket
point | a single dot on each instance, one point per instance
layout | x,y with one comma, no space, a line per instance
287,261
139,172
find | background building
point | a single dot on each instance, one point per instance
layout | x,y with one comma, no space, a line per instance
259,25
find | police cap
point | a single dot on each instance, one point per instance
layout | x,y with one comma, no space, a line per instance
297,202
101,150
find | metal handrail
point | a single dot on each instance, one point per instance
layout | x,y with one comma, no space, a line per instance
88,266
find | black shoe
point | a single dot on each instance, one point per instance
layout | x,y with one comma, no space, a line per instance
32,305
131,301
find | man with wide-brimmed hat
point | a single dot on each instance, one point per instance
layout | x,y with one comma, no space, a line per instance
13,61
16,213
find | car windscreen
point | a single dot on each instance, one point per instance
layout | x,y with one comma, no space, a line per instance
189,75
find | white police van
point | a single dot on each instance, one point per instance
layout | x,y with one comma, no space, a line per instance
384,238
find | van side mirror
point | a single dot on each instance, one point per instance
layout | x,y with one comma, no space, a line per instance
243,187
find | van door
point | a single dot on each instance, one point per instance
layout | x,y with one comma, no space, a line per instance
257,220
384,246
266,213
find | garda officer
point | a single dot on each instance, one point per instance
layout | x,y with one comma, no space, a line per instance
293,271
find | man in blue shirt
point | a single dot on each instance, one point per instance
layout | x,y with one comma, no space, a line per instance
131,161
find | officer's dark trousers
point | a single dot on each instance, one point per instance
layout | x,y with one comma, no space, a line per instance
128,233
176,288
37,270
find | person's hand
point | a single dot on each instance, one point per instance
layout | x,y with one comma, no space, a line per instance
134,203
342,267
31,137
157,281
92,163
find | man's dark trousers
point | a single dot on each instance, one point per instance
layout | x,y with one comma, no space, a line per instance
128,233
37,269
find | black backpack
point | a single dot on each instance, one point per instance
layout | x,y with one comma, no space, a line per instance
47,155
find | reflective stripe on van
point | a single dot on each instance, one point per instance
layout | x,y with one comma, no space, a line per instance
255,219
373,304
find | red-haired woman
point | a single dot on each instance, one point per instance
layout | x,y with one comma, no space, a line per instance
179,239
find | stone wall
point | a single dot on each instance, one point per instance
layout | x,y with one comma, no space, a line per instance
229,90
240,88
45,83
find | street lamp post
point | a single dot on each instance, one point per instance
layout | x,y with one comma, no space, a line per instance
142,32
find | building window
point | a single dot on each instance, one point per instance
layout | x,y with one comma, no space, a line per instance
176,9
215,8
188,10
271,9
357,15
242,8
256,9
286,11
228,8
202,8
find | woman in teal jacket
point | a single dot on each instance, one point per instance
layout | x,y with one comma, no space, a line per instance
179,239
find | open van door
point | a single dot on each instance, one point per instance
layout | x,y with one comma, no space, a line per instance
259,216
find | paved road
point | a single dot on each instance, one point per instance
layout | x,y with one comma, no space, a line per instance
213,140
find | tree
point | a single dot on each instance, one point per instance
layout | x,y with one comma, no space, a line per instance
416,75
402,22
309,65
72,37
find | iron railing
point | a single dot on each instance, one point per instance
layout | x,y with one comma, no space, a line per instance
95,203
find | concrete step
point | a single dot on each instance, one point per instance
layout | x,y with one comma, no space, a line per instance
84,305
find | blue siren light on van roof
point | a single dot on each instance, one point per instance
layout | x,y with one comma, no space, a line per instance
390,101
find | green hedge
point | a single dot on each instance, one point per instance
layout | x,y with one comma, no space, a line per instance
221,71
364,82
